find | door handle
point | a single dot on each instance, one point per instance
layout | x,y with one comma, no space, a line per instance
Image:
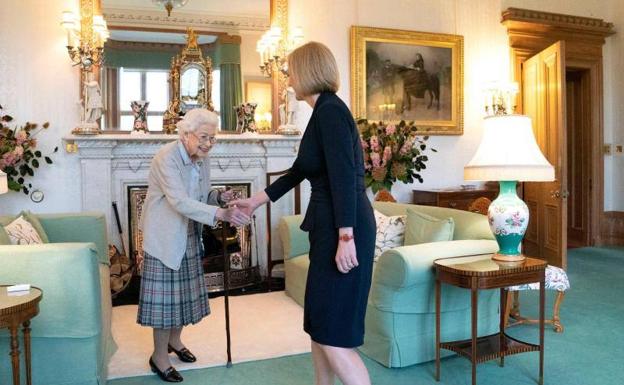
565,194
555,194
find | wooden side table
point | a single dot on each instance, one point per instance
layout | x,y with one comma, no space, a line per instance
452,198
18,309
481,272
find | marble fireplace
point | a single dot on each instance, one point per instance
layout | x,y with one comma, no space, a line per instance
110,165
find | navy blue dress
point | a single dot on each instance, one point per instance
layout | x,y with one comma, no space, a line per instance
330,157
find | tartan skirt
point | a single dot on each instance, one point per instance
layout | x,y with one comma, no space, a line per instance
173,299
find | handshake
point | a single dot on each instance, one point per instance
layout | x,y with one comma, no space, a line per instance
238,212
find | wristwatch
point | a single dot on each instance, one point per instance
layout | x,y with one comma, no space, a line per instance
346,237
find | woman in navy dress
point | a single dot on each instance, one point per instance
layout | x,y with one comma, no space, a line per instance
339,219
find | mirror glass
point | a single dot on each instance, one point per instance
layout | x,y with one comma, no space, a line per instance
143,41
192,84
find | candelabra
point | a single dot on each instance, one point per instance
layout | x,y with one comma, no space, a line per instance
85,40
499,98
273,49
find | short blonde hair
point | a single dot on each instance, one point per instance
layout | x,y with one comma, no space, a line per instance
314,69
196,118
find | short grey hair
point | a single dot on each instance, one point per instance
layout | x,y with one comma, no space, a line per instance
195,118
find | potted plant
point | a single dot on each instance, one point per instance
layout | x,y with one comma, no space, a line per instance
19,156
392,152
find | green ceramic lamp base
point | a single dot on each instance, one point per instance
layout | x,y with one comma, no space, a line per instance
508,216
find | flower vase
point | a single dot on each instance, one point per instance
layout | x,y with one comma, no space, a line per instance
245,118
139,110
384,195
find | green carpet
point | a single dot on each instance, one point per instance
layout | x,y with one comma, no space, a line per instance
587,353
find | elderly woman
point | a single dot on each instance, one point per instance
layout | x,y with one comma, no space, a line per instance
339,218
179,200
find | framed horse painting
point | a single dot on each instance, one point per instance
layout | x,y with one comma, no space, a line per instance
406,75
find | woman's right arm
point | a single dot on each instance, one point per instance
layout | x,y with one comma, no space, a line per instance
273,192
285,183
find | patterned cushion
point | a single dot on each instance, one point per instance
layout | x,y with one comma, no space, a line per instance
390,232
22,232
556,279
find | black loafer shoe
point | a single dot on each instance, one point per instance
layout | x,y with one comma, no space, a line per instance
183,354
169,375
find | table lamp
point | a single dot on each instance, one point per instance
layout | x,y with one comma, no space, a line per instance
4,186
508,153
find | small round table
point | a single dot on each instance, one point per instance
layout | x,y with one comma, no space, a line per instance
18,309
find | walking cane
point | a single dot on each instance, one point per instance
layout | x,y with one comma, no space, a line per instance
226,287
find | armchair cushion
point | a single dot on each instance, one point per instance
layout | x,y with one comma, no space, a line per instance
294,240
423,228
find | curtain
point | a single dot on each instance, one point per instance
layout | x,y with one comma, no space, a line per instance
110,92
231,94
228,58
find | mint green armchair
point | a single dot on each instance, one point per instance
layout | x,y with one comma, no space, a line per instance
400,316
71,337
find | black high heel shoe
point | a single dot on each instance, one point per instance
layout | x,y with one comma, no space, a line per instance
169,375
183,354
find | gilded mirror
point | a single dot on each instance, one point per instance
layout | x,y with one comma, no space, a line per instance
140,57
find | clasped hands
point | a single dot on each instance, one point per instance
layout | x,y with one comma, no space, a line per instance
232,214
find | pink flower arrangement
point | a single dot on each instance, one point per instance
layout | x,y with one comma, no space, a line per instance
392,152
18,155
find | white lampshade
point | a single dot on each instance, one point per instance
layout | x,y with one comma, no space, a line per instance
508,151
4,184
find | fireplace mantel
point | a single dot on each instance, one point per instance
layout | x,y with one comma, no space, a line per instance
109,164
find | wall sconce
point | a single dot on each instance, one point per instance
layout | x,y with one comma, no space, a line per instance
85,38
500,98
273,49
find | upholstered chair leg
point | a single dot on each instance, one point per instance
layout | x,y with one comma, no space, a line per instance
556,319
508,305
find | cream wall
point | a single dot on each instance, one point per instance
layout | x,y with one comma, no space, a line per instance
39,84
486,58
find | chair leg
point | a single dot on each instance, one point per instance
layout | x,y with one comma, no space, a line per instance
515,308
556,319
508,305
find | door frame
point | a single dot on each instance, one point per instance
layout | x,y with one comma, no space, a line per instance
532,31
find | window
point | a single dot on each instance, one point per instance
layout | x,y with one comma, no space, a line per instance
153,86
150,85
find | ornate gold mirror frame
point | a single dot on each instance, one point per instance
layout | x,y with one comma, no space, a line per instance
190,57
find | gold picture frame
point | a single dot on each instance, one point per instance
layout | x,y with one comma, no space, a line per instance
407,75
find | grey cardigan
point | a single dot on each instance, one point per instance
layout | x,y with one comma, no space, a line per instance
168,205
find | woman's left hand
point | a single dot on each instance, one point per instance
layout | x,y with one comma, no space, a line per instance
346,256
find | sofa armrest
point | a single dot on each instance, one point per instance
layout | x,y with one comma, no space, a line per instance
69,276
295,241
78,227
411,265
